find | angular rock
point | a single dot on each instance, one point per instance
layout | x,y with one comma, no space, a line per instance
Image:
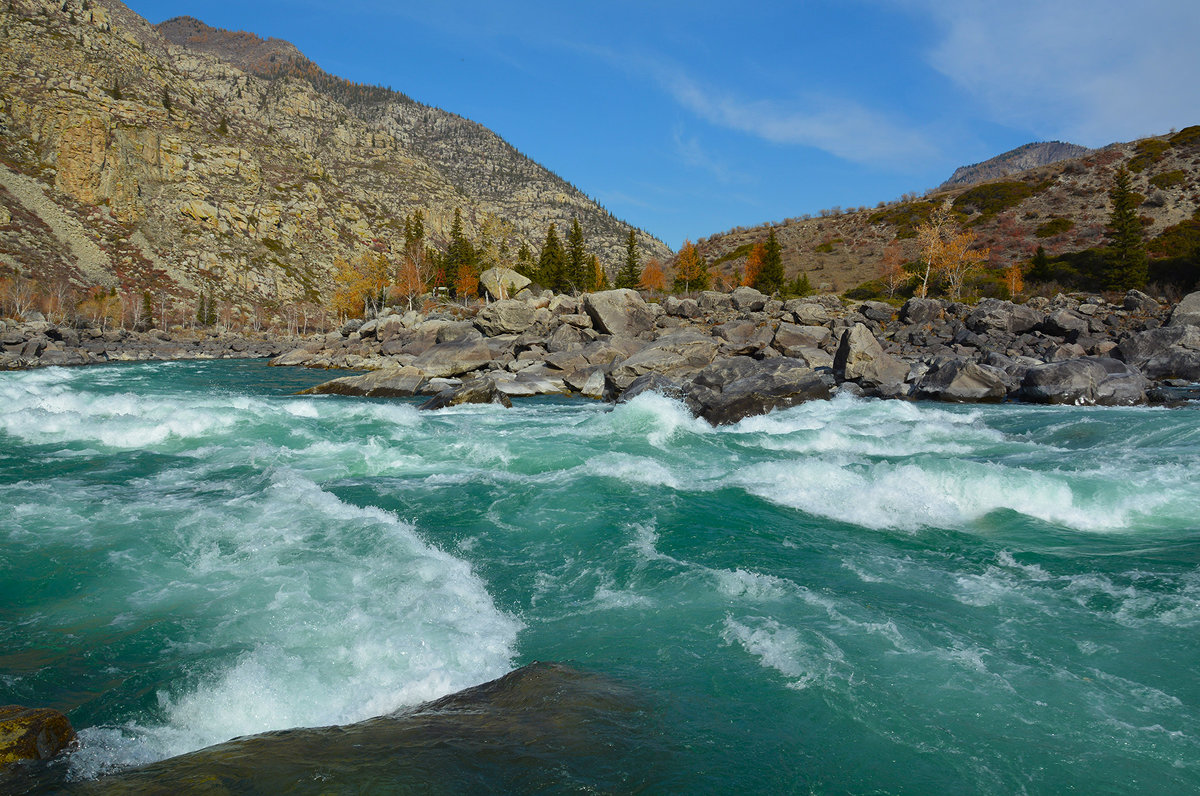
877,310
1138,302
1187,311
502,283
921,311
619,312
1003,316
475,391
506,316
963,381
32,734
711,300
861,358
789,336
454,358
747,299
389,383
759,387
1085,381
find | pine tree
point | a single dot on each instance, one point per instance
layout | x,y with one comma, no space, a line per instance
770,274
578,275
1127,250
1039,270
525,266
630,274
800,286
552,264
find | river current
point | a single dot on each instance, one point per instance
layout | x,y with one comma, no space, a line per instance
850,596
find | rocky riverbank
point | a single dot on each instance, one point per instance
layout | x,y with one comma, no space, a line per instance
41,344
729,355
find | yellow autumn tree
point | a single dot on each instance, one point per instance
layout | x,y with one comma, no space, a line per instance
691,271
946,251
360,285
1014,278
891,268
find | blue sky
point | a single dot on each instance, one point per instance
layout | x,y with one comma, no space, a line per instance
689,118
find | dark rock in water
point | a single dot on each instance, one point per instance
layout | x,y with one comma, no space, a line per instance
742,387
1085,381
963,381
476,391
1163,353
389,383
542,728
653,382
1187,311
31,734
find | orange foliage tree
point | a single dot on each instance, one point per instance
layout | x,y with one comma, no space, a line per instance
947,251
691,271
754,261
653,276
360,285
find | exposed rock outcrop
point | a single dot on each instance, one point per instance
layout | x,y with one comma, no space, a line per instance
32,734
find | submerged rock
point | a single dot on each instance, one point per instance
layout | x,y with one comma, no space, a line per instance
742,387
391,383
542,728
32,734
963,381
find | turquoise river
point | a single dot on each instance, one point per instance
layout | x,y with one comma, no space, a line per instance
850,596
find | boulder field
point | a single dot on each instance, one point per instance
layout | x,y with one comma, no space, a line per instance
731,355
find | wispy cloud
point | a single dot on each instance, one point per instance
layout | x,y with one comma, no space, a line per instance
693,153
1092,71
841,127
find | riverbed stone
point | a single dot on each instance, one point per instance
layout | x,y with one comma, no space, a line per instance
32,734
1084,381
620,312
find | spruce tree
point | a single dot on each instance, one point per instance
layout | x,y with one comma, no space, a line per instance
525,266
630,274
770,276
552,264
1127,250
578,274
1039,270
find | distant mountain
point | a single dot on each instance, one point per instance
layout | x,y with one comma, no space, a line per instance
1062,206
182,158
1023,158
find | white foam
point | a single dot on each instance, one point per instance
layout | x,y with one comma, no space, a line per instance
341,613
806,660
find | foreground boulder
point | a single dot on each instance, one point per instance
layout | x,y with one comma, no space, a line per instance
1084,381
508,316
454,357
502,283
32,734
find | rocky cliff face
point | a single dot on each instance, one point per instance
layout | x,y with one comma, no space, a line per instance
130,160
1029,156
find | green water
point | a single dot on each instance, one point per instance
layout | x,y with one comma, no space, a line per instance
844,597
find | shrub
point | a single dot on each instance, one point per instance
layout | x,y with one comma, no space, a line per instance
992,198
1169,179
904,217
1055,226
1188,136
872,289
1148,153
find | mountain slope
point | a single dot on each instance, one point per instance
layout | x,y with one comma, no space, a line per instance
1023,158
185,172
1062,206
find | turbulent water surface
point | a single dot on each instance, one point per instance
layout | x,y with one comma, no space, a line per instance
847,596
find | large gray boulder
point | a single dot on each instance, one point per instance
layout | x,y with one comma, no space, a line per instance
791,336
921,311
677,354
860,358
619,312
963,381
1004,316
740,387
1187,311
1169,352
454,357
507,316
502,283
389,383
1084,381
747,299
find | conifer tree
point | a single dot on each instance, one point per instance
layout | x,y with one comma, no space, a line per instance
525,266
770,274
578,272
1039,270
630,274
1127,250
552,264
